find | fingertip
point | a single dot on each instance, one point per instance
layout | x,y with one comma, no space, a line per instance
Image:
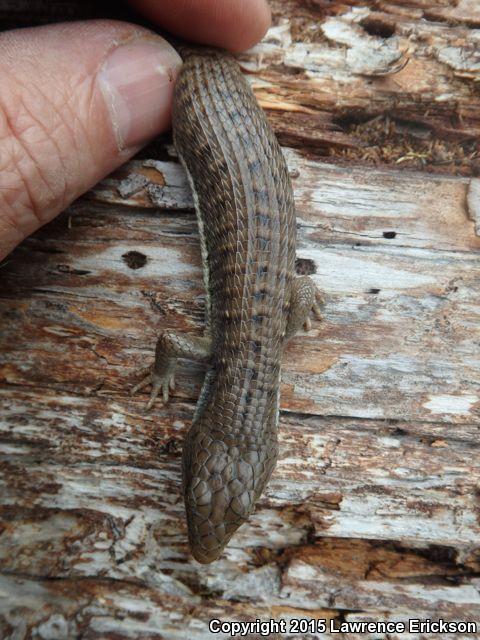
235,25
252,31
137,81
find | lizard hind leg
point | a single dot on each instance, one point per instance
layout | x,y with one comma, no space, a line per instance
170,347
305,299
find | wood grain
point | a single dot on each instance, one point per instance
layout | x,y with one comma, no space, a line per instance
373,511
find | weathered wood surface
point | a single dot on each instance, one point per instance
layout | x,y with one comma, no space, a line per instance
373,510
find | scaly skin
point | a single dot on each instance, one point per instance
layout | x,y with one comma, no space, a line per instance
244,203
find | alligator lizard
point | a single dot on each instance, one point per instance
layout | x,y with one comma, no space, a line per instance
245,211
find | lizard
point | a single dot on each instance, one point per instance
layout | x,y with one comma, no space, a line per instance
255,302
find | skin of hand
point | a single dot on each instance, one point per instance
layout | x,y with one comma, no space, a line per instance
79,99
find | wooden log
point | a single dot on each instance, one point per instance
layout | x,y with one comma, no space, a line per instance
373,510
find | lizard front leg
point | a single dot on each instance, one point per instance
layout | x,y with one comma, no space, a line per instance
170,347
305,298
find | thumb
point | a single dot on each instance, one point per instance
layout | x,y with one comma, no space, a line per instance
76,101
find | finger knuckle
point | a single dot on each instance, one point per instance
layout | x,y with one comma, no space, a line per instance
32,178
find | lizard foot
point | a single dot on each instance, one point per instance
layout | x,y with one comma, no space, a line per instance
161,382
305,299
170,346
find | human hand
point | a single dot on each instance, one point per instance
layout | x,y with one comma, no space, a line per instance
79,99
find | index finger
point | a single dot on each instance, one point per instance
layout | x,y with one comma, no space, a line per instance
235,25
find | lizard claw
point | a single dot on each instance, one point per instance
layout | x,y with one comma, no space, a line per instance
317,312
318,302
159,382
143,383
